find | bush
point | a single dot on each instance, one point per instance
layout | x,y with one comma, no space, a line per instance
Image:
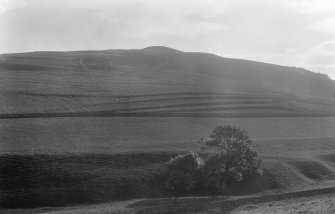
183,172
214,174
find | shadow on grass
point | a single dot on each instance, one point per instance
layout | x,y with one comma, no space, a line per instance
58,180
28,181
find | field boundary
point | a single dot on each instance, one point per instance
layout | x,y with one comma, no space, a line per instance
152,114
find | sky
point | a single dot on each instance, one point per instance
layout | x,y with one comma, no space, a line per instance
297,33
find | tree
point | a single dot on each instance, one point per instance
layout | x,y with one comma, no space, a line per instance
183,172
236,159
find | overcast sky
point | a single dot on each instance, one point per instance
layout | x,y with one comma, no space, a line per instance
288,32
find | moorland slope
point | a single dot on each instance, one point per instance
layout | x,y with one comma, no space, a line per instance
157,81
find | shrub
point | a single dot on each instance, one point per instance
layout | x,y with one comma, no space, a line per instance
183,172
214,174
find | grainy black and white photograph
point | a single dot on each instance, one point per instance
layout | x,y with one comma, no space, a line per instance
167,106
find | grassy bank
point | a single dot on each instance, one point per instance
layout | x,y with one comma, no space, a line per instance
85,178
58,180
62,180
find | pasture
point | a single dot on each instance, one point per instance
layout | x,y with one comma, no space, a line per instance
64,161
133,134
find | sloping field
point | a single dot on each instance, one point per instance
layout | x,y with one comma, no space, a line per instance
43,180
150,83
133,134
182,104
62,161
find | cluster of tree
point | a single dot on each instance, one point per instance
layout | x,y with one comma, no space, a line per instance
235,160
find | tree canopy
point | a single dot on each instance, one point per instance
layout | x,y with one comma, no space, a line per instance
235,159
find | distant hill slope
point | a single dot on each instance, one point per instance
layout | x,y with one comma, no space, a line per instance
157,81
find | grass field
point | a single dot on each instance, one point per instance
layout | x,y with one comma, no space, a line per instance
63,161
135,167
132,134
58,180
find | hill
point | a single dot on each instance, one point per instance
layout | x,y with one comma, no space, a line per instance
157,81
54,154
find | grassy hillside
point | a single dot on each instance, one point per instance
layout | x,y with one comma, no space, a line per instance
157,81
65,179
63,161
95,126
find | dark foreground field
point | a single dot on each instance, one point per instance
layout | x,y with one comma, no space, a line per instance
68,161
64,161
320,200
61,180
